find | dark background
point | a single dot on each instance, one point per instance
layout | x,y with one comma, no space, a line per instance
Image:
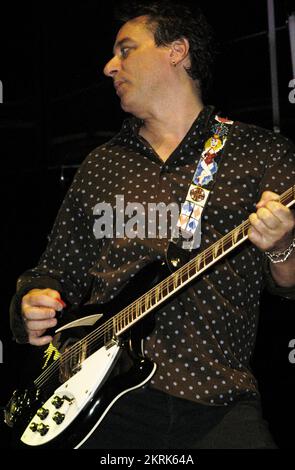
58,106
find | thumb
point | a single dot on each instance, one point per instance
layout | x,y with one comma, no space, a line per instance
266,197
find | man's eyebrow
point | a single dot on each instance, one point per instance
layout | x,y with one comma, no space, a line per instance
121,42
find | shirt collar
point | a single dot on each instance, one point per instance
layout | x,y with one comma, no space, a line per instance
132,125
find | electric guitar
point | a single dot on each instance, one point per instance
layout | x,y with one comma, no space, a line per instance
86,373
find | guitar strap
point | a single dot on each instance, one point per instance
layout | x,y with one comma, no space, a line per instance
186,236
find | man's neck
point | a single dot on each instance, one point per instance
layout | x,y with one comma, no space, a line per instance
166,129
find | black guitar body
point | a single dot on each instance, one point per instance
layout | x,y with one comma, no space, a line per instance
118,383
61,395
131,369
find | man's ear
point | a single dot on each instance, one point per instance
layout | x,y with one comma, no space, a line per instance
179,51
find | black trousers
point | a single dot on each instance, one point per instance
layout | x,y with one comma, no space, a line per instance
150,419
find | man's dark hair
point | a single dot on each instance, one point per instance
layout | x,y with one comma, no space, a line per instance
172,20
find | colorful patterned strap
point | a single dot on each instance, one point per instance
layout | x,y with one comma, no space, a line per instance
187,233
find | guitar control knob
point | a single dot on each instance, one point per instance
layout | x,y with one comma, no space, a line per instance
33,427
57,402
58,417
42,413
42,429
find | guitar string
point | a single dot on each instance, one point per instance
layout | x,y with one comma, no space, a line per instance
167,283
97,334
130,310
141,302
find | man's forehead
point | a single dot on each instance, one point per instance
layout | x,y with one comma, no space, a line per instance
134,29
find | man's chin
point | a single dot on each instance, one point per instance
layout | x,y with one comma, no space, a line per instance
129,106
125,105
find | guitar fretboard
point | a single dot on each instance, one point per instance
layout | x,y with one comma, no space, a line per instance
126,318
184,275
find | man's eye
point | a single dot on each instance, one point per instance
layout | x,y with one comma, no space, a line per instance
124,51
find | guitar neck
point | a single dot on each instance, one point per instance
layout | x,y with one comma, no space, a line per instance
111,329
127,317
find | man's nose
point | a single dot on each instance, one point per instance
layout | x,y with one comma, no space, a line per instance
112,67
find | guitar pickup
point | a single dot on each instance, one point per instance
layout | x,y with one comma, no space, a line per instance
112,342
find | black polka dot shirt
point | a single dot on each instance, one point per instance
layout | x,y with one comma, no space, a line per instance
204,337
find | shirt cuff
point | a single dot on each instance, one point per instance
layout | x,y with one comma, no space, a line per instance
272,287
17,324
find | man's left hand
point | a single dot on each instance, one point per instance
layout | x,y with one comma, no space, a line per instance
272,225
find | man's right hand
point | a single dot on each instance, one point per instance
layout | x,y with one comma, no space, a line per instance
39,307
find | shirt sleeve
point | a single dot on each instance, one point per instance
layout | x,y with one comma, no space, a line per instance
272,287
279,176
69,255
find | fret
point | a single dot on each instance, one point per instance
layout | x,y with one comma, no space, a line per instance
171,287
223,246
185,273
191,270
216,247
132,310
115,322
198,263
146,305
203,260
120,323
143,305
161,292
130,315
175,280
209,257
165,290
235,236
126,316
157,293
137,310
154,299
241,232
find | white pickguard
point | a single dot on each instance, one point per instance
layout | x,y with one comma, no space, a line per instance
90,320
78,390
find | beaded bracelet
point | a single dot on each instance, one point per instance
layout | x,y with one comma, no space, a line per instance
280,256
